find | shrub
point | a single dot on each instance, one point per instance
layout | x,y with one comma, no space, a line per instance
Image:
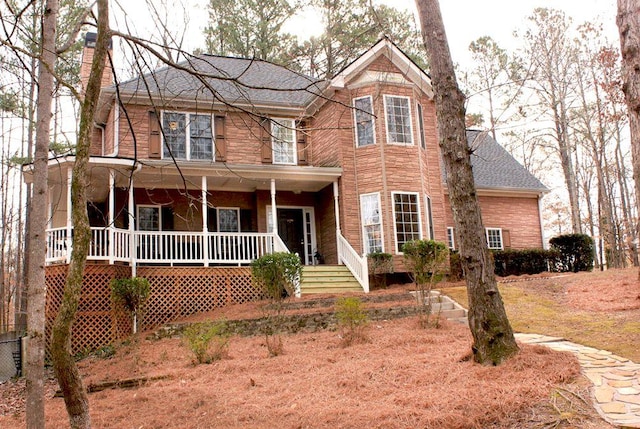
380,264
575,252
455,266
512,262
131,294
425,261
208,341
277,275
352,320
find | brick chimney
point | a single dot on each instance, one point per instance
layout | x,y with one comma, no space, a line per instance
87,59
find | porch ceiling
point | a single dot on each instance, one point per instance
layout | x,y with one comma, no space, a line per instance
163,174
236,177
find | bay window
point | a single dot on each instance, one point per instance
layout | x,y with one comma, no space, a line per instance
406,213
398,115
371,223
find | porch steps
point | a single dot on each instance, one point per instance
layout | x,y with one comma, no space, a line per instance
328,279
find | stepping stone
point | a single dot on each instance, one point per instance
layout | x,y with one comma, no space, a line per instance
628,391
604,394
620,383
629,399
614,408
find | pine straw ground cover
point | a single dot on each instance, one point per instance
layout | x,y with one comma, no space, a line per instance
598,309
403,377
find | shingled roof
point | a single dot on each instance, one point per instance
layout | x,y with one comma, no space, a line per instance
495,168
234,80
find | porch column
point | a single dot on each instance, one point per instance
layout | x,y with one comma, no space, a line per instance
274,210
336,209
69,215
132,219
112,205
205,227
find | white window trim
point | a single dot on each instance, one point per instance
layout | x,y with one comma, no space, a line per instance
420,118
236,209
187,131
292,127
452,242
155,206
364,235
486,231
386,120
355,121
393,209
428,215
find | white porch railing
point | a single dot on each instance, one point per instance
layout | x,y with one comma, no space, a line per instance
357,264
164,247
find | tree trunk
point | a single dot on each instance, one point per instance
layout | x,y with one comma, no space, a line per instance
75,395
492,334
628,21
36,293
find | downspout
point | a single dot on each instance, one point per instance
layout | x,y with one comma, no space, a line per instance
544,244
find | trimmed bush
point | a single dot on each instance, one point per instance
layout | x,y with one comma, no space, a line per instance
528,261
277,274
575,252
455,266
380,264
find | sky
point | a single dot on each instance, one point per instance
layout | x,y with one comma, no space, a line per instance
465,20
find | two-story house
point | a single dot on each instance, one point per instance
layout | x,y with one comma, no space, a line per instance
196,170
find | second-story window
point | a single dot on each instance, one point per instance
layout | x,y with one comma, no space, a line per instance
283,141
363,113
398,115
187,136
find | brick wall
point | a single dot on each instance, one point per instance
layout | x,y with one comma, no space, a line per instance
518,215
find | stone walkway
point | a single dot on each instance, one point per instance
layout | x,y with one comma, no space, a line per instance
616,380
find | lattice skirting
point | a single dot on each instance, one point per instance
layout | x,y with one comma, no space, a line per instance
175,292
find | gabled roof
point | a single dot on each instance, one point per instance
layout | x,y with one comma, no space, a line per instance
237,81
397,57
495,169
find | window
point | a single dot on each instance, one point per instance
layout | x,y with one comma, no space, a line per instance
149,218
371,223
398,120
430,234
363,113
228,220
494,238
423,143
450,238
187,136
283,141
406,212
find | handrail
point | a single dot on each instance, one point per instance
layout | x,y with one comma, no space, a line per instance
167,247
358,265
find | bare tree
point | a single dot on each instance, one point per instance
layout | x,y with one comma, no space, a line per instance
628,21
75,395
36,294
493,340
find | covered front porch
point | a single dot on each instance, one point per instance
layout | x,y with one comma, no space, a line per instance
201,214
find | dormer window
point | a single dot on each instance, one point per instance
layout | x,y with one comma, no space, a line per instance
398,115
363,115
187,136
283,141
